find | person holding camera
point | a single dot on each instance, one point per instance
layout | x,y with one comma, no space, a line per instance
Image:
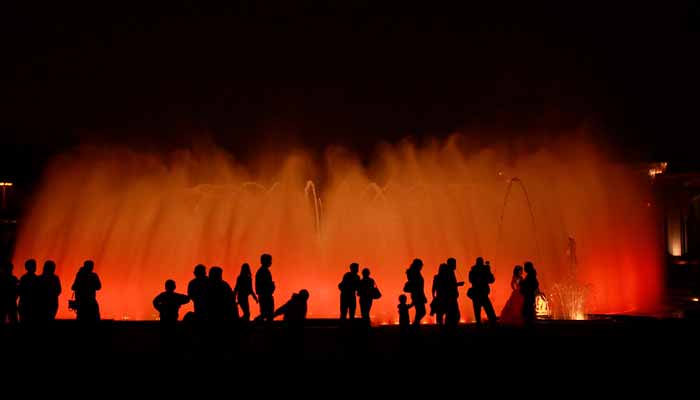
85,288
480,276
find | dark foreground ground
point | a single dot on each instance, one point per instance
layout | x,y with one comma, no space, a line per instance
612,355
611,339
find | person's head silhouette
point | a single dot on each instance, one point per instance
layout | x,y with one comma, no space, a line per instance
518,271
304,294
417,264
354,267
443,269
452,263
245,269
200,271
402,299
49,267
216,273
89,265
365,272
30,265
479,261
170,286
529,268
266,260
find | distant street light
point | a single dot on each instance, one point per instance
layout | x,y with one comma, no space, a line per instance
4,186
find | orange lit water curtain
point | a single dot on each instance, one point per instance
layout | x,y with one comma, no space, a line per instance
144,218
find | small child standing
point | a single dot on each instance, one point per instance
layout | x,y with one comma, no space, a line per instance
404,319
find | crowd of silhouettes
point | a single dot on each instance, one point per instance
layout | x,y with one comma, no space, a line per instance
34,298
215,301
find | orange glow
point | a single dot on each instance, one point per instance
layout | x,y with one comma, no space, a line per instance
657,169
144,218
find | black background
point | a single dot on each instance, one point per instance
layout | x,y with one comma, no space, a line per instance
313,73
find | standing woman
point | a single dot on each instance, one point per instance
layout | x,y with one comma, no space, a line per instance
367,291
243,289
415,286
512,313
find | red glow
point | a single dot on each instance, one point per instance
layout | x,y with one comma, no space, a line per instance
145,218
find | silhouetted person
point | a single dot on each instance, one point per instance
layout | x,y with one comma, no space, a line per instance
29,294
452,313
404,318
244,289
265,287
50,289
295,309
294,312
8,294
220,301
512,312
529,288
415,286
85,286
438,306
348,290
367,291
168,303
480,277
197,292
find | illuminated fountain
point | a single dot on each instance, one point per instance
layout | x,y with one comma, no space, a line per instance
568,297
145,217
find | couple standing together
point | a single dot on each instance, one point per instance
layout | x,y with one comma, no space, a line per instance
519,309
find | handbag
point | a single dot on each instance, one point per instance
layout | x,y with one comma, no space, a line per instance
376,294
73,303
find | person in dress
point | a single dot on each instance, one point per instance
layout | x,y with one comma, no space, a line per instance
512,313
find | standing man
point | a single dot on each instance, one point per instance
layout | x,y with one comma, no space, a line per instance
264,288
480,277
198,291
348,292
529,287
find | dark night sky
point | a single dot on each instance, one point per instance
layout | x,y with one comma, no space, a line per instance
315,74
